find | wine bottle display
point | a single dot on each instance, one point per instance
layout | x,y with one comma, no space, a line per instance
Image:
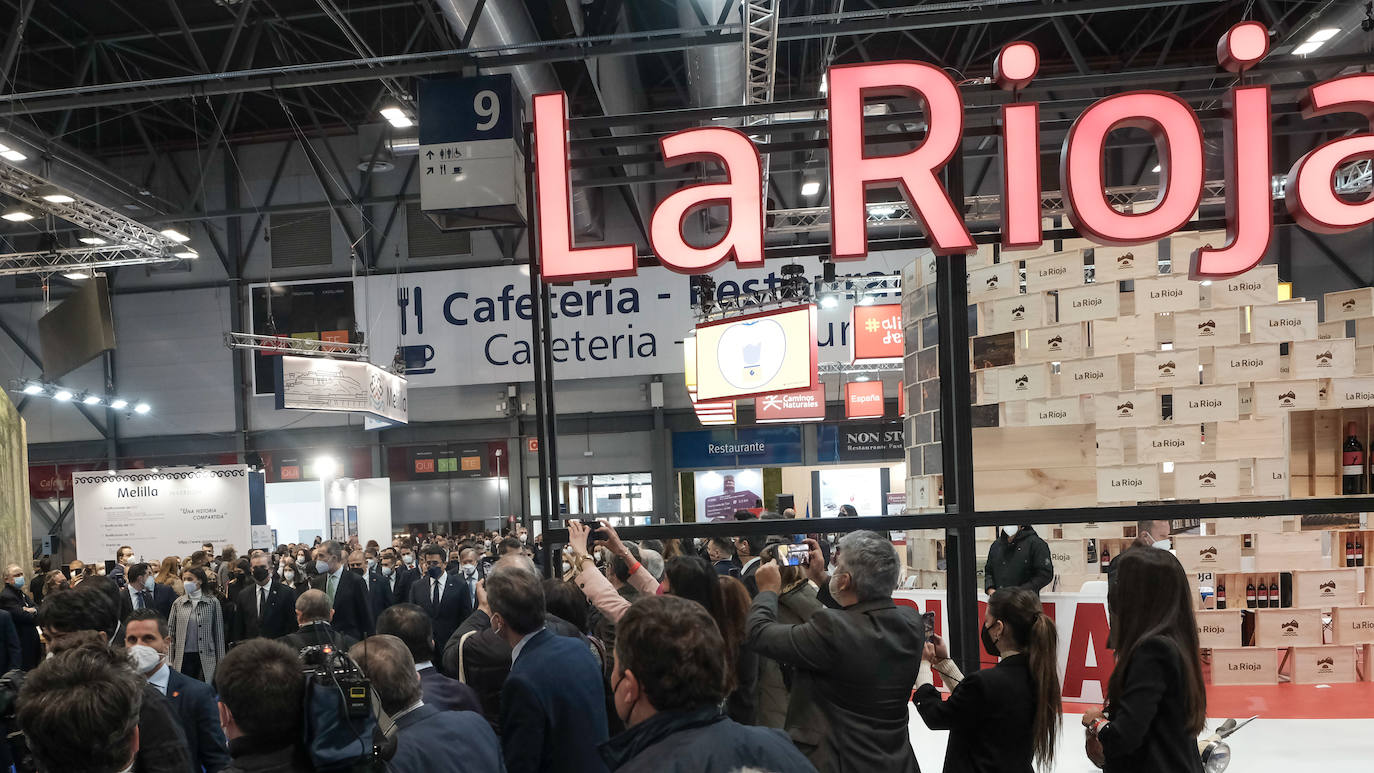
1250,594
1352,462
1221,595
1349,551
1262,595
1274,593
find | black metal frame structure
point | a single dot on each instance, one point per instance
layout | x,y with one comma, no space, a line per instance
962,515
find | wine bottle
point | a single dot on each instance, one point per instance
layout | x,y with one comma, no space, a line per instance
1350,551
1221,595
1274,593
1352,462
1359,550
1250,594
1106,558
1262,595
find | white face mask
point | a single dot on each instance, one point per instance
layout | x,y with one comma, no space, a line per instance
192,587
386,571
288,575
146,659
321,567
371,562
1163,544
1010,531
524,538
409,558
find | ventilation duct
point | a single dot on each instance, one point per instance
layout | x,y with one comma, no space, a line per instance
505,24
715,74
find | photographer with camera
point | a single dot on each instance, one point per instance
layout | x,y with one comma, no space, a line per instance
313,616
855,662
427,739
261,694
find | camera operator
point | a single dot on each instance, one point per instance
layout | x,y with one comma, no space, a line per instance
855,662
261,693
669,682
80,711
426,738
313,616
162,747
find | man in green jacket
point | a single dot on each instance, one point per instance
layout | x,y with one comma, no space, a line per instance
1018,559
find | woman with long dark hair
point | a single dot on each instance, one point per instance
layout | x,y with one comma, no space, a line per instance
1156,701
1003,719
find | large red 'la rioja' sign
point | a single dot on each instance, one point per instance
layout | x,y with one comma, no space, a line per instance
1309,195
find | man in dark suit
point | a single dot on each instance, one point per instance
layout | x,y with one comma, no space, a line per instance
749,549
266,607
553,705
347,592
411,625
312,614
381,584
11,653
193,701
405,575
24,614
426,738
140,592
441,594
852,711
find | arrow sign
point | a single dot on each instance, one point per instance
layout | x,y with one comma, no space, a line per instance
430,155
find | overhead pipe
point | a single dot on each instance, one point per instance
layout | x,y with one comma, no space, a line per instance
506,24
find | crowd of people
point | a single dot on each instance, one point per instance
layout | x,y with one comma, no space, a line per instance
678,655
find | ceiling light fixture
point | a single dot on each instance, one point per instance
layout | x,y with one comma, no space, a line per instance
119,403
1157,169
10,154
91,400
18,216
58,198
397,117
882,210
76,275
33,389
1316,40
811,188
175,235
94,241
829,301
62,396
142,408
186,252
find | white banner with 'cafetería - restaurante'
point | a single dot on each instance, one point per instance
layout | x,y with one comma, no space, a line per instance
170,512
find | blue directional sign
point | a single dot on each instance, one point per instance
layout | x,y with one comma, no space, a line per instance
467,109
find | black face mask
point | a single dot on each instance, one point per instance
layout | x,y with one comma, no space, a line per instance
259,573
358,570
988,643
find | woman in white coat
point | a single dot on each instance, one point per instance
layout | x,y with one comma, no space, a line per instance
197,626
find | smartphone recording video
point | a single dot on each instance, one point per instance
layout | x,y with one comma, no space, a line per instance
797,555
597,532
929,618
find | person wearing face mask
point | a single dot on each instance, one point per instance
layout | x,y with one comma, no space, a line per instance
141,592
553,704
24,613
346,591
854,662
1018,558
197,625
293,575
267,607
193,702
443,595
667,686
1004,719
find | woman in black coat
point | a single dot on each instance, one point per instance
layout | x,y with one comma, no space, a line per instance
1003,719
1156,699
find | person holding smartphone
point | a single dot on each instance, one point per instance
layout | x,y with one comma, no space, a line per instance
1156,699
1003,719
796,604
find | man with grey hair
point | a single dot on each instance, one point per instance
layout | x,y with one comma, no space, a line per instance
846,712
347,592
313,618
426,738
653,562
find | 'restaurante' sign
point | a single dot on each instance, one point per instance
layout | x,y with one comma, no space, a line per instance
1309,193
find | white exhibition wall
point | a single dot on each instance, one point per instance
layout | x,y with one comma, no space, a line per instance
296,510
